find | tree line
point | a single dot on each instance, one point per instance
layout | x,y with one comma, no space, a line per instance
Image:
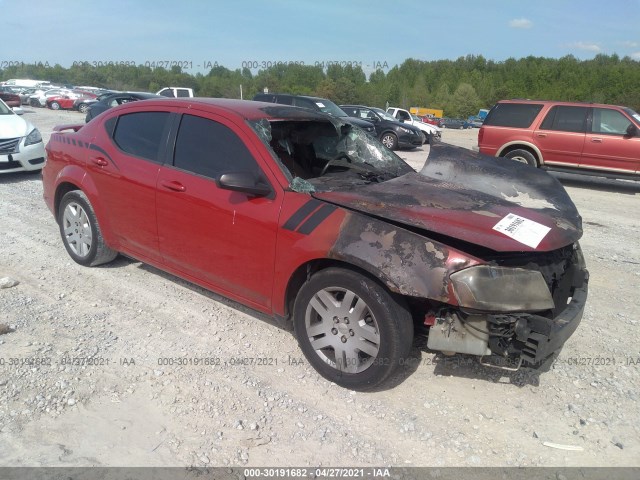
459,87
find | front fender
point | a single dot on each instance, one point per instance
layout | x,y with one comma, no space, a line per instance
408,263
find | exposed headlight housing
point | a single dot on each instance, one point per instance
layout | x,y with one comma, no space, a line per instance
501,289
33,137
406,130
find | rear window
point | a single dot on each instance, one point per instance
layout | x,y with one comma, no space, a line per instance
518,115
141,133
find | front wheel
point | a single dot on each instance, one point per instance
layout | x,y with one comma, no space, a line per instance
522,156
80,231
389,140
83,108
351,329
54,106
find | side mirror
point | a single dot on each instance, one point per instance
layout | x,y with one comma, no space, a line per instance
632,130
244,182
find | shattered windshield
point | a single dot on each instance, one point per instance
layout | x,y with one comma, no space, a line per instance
323,154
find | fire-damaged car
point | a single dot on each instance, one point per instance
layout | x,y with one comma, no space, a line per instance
307,218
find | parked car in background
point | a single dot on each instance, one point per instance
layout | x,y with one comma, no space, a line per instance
71,101
337,236
316,104
175,92
588,138
21,147
39,98
430,119
456,123
392,133
10,97
113,100
404,116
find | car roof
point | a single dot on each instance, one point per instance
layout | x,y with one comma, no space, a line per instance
247,109
553,102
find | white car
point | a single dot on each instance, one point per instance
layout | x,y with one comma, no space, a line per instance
430,131
21,146
39,98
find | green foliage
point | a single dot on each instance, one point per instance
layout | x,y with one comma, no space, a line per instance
459,87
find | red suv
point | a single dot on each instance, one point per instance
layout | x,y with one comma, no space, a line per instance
589,138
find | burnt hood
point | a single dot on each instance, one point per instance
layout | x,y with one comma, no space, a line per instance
496,203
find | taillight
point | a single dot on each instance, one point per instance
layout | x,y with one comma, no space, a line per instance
480,135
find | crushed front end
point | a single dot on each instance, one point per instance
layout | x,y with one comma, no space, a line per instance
519,307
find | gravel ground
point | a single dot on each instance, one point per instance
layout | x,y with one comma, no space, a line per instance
141,401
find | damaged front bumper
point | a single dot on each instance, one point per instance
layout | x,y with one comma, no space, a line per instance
511,339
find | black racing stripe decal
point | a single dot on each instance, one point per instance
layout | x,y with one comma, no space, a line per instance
316,219
303,212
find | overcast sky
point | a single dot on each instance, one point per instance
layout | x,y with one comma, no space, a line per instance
373,33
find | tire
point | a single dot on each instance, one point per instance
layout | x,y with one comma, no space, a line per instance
522,156
54,106
34,102
389,140
83,108
80,231
374,326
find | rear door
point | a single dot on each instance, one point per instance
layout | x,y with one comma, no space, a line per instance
608,146
561,135
223,238
123,163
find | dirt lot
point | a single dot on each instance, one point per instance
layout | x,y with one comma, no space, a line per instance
141,401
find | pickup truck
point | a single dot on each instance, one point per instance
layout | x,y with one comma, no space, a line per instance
430,131
175,92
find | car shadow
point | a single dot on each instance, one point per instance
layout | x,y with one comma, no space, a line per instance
627,187
459,365
122,261
468,366
20,177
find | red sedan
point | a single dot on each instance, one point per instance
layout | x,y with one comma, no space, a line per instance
68,102
9,97
309,219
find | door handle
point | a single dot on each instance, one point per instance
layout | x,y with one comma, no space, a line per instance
101,162
173,185
596,140
541,135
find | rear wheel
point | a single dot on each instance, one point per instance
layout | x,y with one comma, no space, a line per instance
83,108
389,140
80,231
352,330
522,156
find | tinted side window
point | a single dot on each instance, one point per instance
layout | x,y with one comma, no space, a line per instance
183,93
565,119
209,148
141,134
403,115
305,103
167,92
609,121
518,115
351,111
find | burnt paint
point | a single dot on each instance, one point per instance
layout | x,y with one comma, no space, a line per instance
409,263
463,195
